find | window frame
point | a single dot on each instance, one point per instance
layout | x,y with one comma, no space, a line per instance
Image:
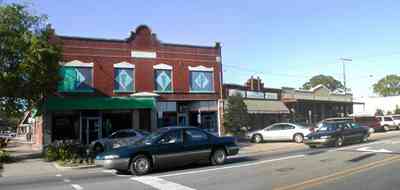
201,91
133,70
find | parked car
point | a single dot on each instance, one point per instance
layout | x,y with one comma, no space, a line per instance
396,119
169,146
387,123
337,133
369,121
280,132
118,138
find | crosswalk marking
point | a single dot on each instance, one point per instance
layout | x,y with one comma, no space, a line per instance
161,184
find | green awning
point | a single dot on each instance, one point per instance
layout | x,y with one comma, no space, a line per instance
98,103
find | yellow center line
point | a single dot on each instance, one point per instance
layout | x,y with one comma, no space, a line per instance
328,178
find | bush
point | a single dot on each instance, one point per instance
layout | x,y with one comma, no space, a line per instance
67,152
4,156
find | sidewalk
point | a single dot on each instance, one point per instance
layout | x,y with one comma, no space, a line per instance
27,162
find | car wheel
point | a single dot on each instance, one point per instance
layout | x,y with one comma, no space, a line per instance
339,142
298,138
386,128
218,157
365,138
140,165
98,148
257,138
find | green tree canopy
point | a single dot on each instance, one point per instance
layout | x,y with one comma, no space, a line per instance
28,61
326,80
388,86
235,115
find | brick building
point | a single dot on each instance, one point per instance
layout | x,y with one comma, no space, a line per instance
138,82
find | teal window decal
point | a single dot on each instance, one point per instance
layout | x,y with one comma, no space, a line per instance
75,79
201,81
163,80
124,80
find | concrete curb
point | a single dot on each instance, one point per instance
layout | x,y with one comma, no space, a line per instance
59,167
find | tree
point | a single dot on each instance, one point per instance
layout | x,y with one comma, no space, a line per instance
379,112
388,86
326,80
29,62
235,115
397,110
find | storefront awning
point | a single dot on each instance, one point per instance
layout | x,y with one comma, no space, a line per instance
265,106
98,103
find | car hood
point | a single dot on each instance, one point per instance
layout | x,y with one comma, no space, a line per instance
122,152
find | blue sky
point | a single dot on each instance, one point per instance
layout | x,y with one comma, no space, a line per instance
284,42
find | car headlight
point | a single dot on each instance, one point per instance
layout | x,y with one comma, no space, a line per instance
325,137
111,157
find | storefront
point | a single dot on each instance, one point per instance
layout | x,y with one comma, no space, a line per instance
263,104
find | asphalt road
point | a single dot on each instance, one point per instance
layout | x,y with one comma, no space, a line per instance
372,165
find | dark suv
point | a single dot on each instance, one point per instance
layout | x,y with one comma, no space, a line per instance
336,133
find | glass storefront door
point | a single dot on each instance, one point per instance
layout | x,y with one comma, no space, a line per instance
90,129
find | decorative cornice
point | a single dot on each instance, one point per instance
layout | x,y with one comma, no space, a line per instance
124,64
162,66
76,63
201,68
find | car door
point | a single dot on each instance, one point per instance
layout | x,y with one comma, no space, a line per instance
288,131
273,133
346,132
196,145
168,150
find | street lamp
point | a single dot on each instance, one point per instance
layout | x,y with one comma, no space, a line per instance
344,72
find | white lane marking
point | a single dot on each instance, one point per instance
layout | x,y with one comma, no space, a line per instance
109,171
67,180
161,184
368,149
230,167
76,187
58,175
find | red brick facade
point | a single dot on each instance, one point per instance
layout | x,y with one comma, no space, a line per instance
106,52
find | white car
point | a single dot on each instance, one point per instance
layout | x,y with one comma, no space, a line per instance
396,119
387,123
280,132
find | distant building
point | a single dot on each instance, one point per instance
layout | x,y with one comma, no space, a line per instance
369,105
311,106
263,104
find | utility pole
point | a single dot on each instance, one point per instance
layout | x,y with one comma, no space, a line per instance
344,72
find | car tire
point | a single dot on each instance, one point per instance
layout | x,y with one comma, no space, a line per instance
140,165
385,128
339,142
298,138
364,138
98,148
257,138
218,156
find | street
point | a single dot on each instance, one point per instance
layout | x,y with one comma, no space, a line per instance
371,165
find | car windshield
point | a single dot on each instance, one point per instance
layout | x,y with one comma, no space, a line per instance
151,137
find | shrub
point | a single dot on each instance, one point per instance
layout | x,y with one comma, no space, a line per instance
67,151
4,156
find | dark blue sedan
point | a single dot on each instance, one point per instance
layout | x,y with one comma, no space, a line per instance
169,146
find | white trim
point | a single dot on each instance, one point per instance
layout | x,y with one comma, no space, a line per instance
162,66
124,64
76,63
201,68
144,54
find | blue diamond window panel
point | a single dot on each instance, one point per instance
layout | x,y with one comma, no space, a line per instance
163,80
75,79
124,79
201,81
